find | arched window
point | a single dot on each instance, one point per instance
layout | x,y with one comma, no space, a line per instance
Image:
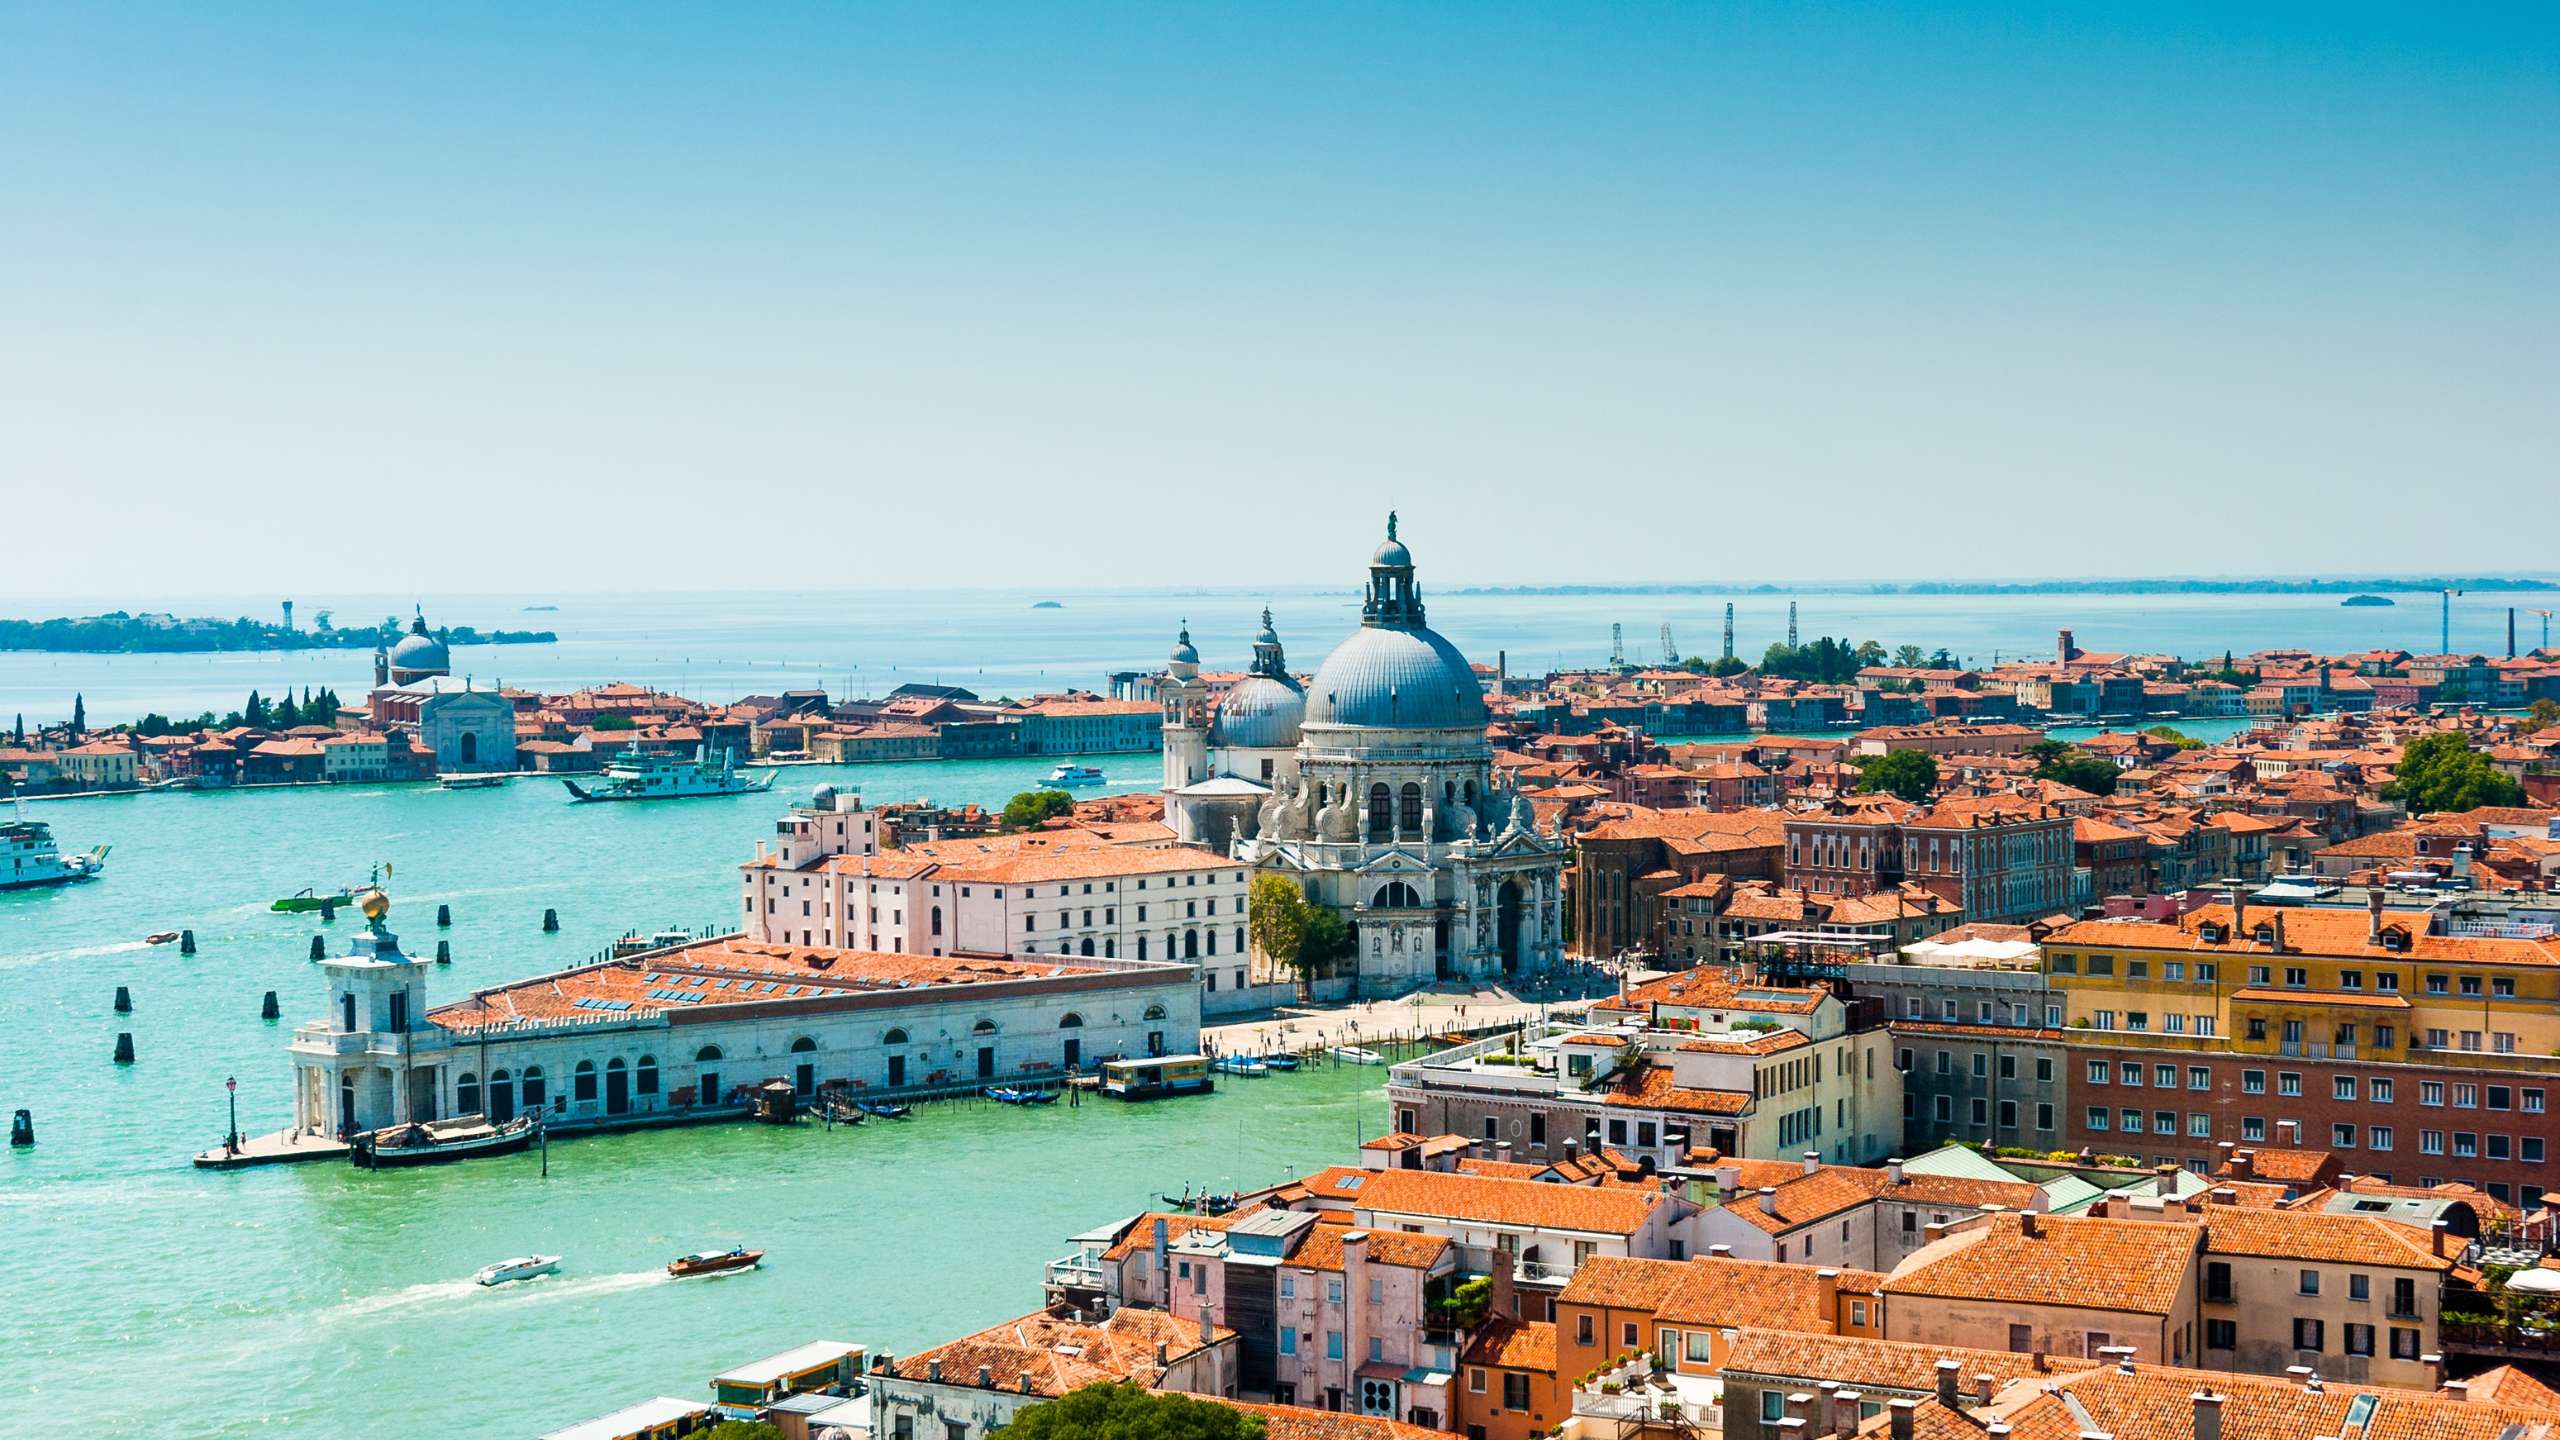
1382,816
501,1105
803,1045
1396,895
1142,947
983,1027
894,1037
1070,1021
1190,944
1213,942
1409,810
1110,949
1239,939
1470,792
470,748
1085,948
466,1094
1155,1012
645,1075
707,1052
937,919
582,1082
536,1092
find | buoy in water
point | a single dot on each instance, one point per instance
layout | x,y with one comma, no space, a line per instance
124,1047
550,922
268,1009
22,1128
444,952
124,1001
328,911
444,916
319,948
186,942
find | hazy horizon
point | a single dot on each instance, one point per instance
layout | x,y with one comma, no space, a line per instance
303,299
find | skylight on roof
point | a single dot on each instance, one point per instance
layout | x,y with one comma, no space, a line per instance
1349,1182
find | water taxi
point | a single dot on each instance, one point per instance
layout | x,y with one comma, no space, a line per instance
1156,1076
522,1267
1354,1055
28,856
1066,775
432,1142
490,781
715,1262
1239,1065
633,775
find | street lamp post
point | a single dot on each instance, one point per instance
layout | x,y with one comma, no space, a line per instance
231,1090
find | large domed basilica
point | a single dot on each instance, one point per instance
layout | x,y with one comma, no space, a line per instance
1373,787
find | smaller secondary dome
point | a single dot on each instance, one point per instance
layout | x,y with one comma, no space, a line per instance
1259,713
823,798
1184,652
419,651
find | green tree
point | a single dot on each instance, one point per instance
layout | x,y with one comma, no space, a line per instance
257,713
616,722
1725,666
1329,936
2072,766
2442,772
1869,652
1109,1411
1032,809
1910,657
1942,659
1910,774
2174,736
1277,915
741,1430
2542,716
286,714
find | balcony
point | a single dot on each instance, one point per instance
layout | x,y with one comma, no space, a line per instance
1079,1271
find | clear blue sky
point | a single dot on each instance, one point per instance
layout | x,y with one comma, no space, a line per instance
510,296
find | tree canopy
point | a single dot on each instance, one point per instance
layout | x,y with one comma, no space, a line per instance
2175,736
742,1430
2072,766
1909,774
1277,914
1032,809
1127,1412
2442,772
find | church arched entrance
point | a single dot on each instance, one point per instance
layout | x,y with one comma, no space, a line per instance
1506,925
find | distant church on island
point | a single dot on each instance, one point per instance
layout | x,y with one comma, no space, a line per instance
1373,788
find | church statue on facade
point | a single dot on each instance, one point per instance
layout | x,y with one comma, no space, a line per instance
1373,789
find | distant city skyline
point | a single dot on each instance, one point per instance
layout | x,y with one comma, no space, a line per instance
305,301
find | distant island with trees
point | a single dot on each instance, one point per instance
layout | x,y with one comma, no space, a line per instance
120,633
2266,586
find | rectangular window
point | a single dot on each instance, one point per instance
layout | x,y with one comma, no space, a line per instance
2342,1137
2359,1339
2378,1137
2222,1334
2431,1092
2342,1087
2253,1127
2531,1151
2288,1083
2430,1142
2132,1122
2098,1071
2307,1334
2199,1125
2253,1082
2097,1121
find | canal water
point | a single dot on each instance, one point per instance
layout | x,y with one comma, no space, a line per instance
154,1300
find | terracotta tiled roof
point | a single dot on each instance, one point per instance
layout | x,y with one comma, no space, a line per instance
1142,1235
1651,1087
2308,931
1604,1210
1061,1355
2312,1235
2130,1265
1714,1291
1879,1364
1295,1422
1514,1345
2157,1403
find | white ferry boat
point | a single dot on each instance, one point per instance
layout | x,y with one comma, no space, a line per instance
523,1267
28,856
466,781
632,775
1074,775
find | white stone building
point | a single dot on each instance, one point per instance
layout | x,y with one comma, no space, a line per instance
696,1025
1373,787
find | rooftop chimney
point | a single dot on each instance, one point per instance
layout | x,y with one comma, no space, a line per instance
1768,1200
2435,1369
1799,1405
1844,1412
2373,916
1721,1252
1025,1377
2456,1390
1950,1383
2027,1224
2239,914
2276,939
1812,1161
1983,1383
2241,1161
1207,1330
1826,1290
933,1372
986,1377
1728,1179
2208,1415
2123,1355
1902,1412
2225,1195
1893,1170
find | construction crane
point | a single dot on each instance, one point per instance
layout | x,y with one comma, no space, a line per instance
2546,625
2444,627
1670,651
1728,629
1617,646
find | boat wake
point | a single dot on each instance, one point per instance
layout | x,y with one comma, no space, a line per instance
439,1293
76,952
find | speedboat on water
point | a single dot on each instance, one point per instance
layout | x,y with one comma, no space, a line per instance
1074,775
523,1267
715,1262
1353,1054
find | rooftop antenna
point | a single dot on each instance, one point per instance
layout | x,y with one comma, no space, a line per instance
1728,629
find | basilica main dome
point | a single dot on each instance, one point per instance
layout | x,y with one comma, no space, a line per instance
1395,672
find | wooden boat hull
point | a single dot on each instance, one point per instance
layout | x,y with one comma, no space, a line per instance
507,1140
689,1267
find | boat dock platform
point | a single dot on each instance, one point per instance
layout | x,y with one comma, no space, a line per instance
284,1147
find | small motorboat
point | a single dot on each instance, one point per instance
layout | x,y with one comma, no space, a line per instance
303,901
715,1262
1239,1065
523,1267
1280,1062
470,782
884,1111
1354,1055
161,938
1074,775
